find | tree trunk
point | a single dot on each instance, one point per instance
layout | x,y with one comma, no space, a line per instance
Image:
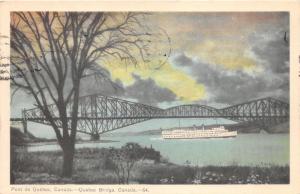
68,156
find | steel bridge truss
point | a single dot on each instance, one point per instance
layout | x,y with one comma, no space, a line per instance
98,114
264,112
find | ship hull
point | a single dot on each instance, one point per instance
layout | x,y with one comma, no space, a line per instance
198,134
202,137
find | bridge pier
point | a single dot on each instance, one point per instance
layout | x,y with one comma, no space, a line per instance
95,137
24,123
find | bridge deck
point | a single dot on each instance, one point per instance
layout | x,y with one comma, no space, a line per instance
98,114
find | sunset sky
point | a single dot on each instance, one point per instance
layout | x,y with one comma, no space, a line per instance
216,58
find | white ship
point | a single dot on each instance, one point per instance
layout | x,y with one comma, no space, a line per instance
195,133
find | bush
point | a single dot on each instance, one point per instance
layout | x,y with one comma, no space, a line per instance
162,174
122,161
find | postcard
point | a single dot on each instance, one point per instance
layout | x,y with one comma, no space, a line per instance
150,97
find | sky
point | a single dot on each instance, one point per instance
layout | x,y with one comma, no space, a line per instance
217,59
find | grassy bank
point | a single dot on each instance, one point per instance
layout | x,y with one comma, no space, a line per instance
90,168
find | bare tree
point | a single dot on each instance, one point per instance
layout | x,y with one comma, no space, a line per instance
52,52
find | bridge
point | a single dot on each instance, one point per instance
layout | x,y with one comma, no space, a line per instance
98,114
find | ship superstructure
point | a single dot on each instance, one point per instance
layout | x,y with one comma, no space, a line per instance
194,133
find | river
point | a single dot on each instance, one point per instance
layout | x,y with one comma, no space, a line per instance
245,149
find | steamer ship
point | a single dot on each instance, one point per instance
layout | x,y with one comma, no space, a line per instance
196,133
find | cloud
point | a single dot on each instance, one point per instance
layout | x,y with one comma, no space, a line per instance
144,91
231,87
182,60
216,37
222,57
104,86
268,51
148,92
273,53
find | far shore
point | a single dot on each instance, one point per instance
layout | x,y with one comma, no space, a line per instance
53,142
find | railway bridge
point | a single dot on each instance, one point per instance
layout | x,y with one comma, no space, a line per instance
98,114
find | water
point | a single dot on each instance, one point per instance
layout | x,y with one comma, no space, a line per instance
245,149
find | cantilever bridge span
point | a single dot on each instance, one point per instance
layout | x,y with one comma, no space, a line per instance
98,114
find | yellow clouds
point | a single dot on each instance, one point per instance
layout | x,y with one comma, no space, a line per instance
217,38
229,54
185,87
181,84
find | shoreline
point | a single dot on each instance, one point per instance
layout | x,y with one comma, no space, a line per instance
20,149
32,144
90,167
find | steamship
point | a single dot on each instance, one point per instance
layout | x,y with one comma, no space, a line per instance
196,133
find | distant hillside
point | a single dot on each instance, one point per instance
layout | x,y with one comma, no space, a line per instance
240,127
19,138
246,128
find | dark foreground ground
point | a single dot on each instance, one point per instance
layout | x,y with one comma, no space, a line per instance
90,168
